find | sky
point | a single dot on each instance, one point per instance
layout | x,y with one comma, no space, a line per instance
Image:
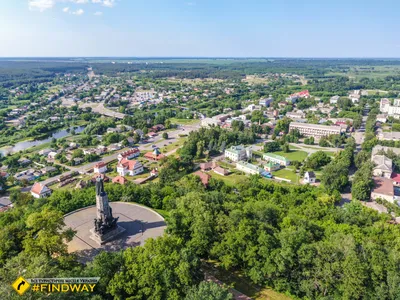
199,28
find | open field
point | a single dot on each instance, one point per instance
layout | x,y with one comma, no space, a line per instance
376,92
293,155
231,179
184,121
287,174
195,81
372,72
254,79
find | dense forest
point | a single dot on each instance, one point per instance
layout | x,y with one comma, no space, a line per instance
40,70
14,73
292,238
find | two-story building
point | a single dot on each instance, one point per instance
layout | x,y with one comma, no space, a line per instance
238,153
248,168
129,154
129,167
100,168
274,158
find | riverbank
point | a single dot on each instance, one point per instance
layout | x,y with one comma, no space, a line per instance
26,144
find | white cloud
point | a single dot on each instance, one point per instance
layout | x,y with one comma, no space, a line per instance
80,1
108,3
41,5
98,13
78,12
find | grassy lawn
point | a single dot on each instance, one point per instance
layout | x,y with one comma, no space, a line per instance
331,154
316,147
231,179
241,283
291,147
173,146
184,121
227,165
287,174
293,155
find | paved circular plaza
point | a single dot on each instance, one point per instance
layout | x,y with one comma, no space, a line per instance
140,223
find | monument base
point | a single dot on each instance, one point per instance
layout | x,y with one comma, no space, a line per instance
106,237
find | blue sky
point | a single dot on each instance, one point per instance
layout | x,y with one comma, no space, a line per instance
263,28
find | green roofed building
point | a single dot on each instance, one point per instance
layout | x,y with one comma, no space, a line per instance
248,168
238,153
271,166
270,157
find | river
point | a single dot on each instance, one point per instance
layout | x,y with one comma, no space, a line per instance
28,144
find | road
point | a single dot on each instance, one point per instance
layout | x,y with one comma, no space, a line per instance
100,109
359,135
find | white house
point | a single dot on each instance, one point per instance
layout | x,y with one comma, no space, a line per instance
334,99
39,190
45,152
309,177
100,168
266,101
129,154
383,166
381,118
238,153
271,157
248,168
295,115
129,167
51,155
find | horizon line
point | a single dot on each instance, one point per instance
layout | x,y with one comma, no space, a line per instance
208,57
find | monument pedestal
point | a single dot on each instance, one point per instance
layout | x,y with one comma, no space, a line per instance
106,237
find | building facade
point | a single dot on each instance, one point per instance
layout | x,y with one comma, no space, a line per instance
278,159
132,153
238,153
248,168
100,168
129,167
315,130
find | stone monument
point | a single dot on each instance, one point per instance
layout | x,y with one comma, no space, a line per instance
105,225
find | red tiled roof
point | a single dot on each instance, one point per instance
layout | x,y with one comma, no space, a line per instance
205,178
301,94
151,155
128,164
100,164
120,179
383,186
221,170
395,177
37,188
129,152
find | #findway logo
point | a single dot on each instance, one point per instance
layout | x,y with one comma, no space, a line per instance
56,285
21,285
